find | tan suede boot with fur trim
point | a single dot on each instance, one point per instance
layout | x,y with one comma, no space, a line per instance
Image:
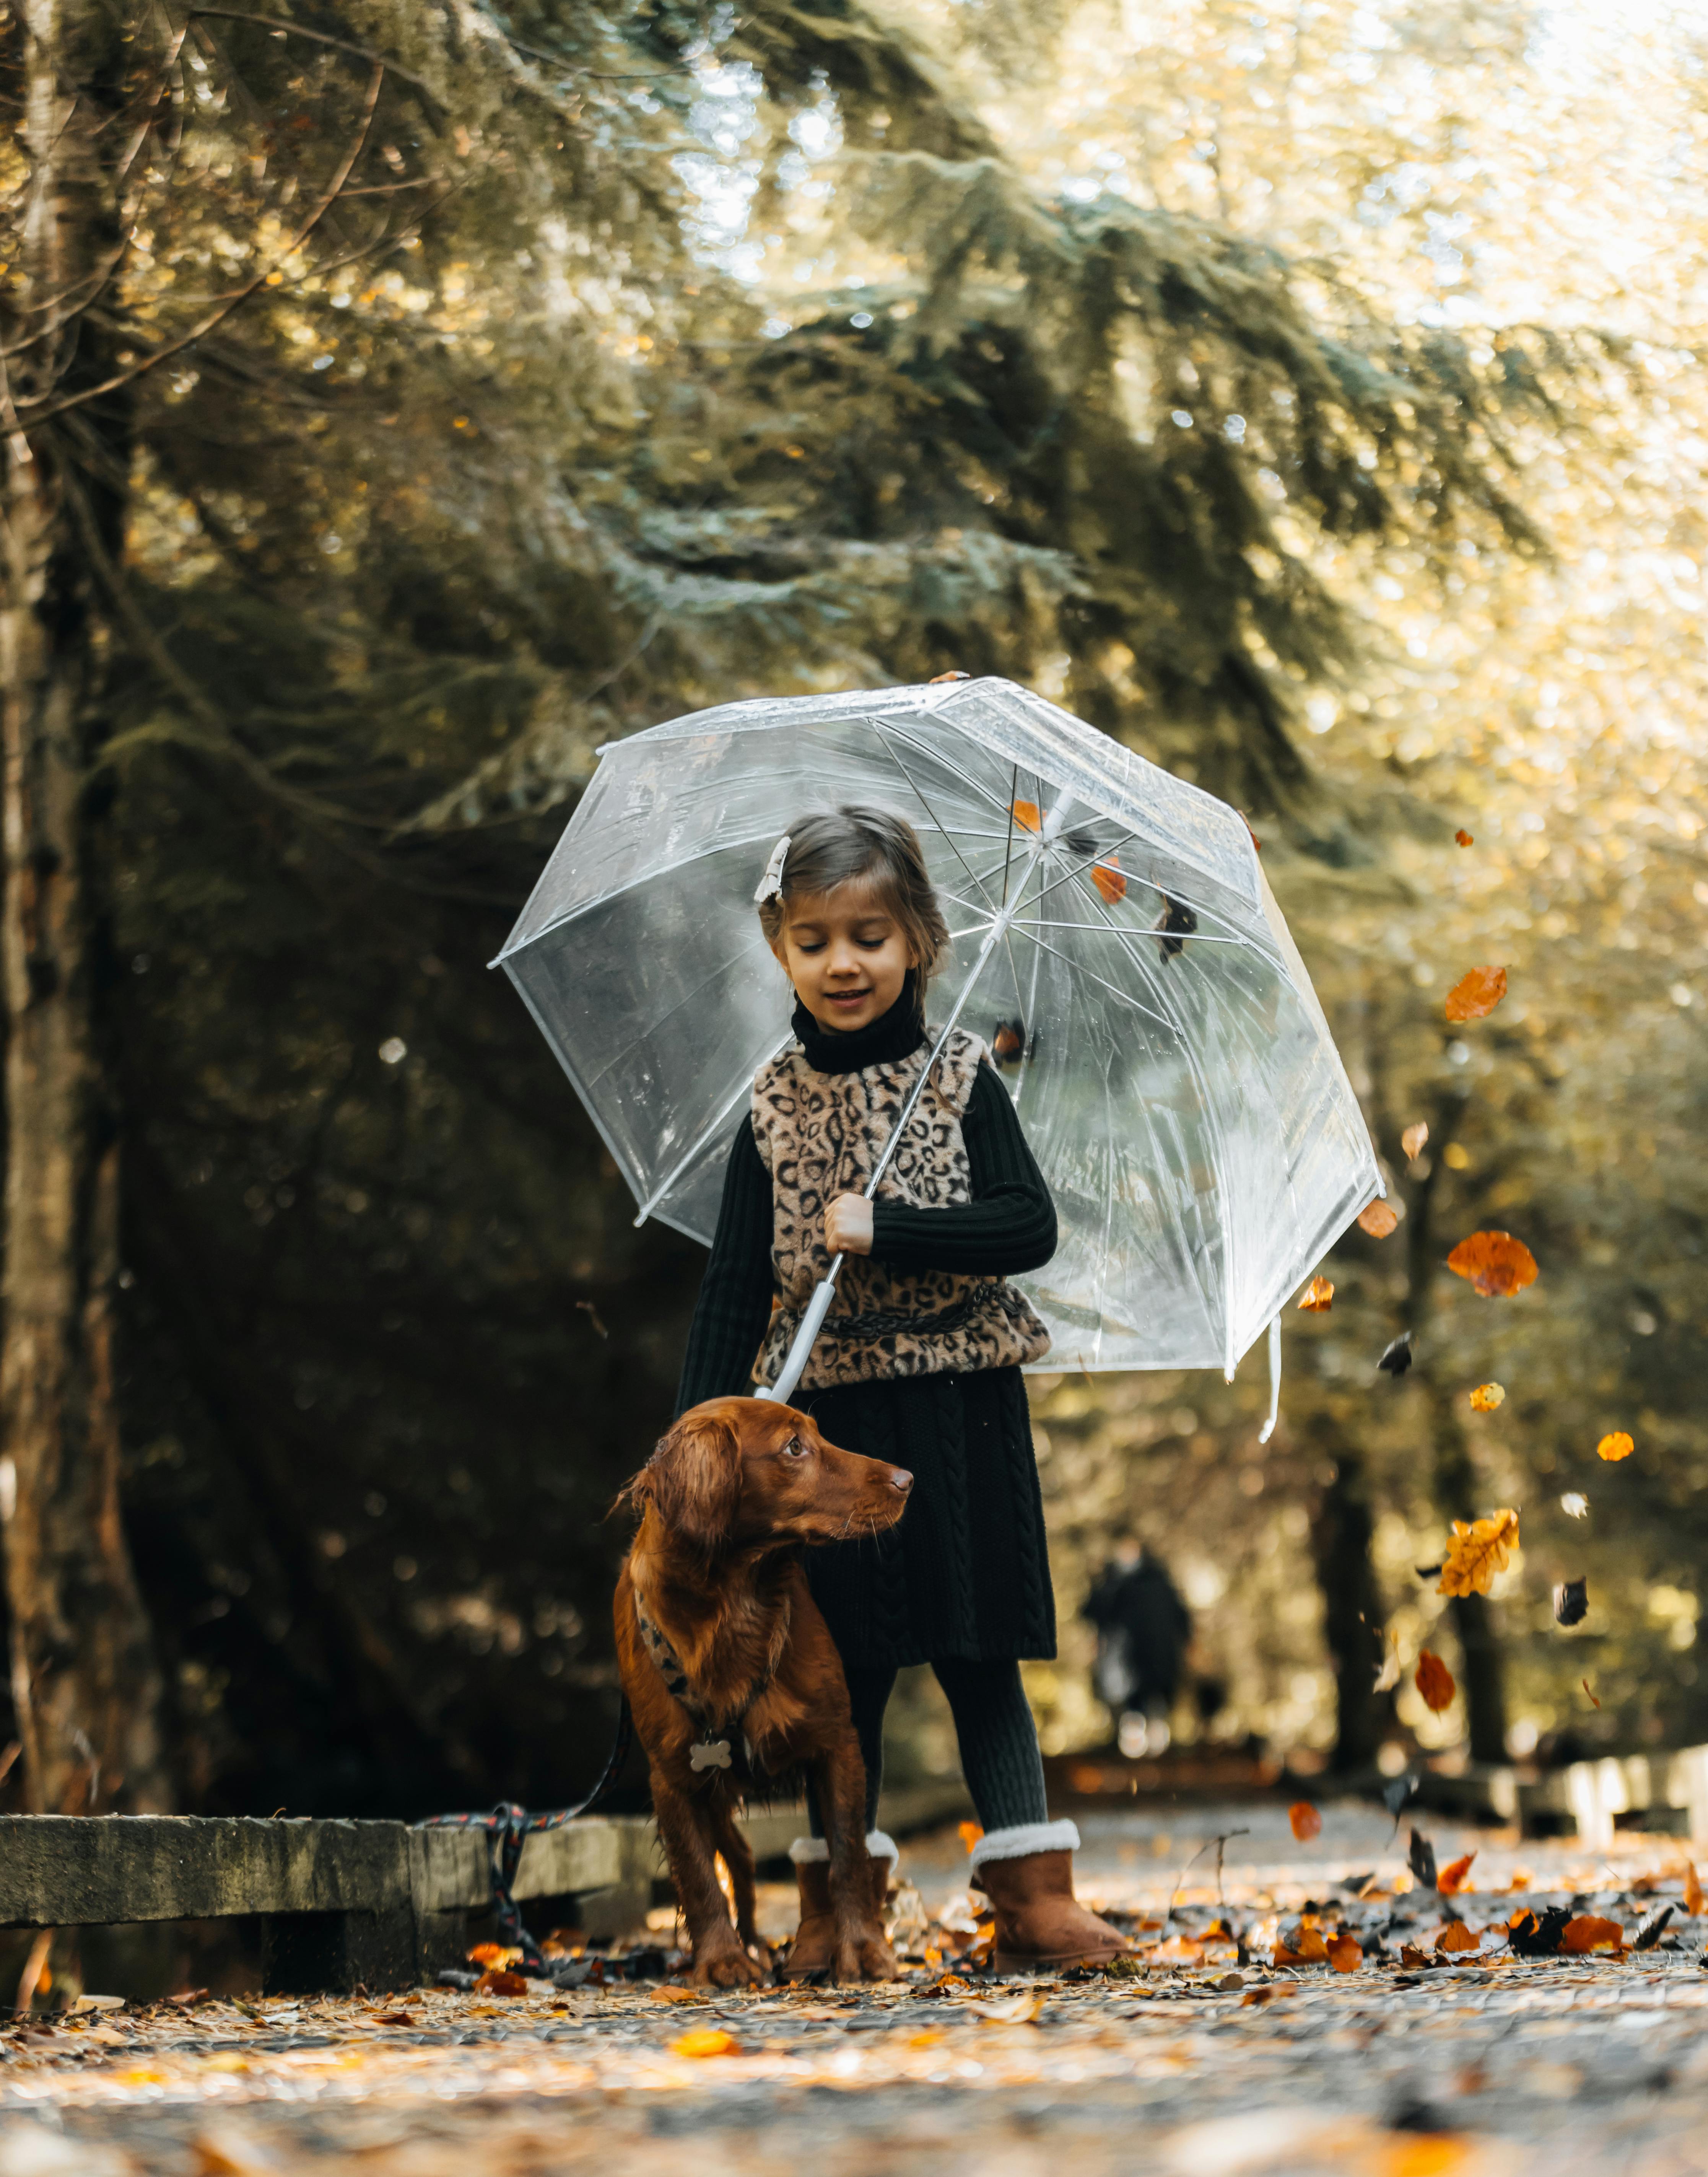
1040,1925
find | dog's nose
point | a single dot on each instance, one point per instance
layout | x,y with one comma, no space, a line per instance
901,1479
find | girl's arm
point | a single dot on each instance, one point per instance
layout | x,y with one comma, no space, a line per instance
735,1295
1011,1223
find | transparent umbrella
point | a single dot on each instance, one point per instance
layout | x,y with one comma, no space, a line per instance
1116,946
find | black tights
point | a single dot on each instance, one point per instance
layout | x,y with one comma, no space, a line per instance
999,1754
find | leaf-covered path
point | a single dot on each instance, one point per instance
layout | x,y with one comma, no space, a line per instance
1497,2065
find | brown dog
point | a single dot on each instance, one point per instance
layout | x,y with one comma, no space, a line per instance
730,1670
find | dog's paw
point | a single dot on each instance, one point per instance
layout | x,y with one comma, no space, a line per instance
727,1969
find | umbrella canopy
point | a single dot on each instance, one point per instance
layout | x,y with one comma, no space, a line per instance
1116,946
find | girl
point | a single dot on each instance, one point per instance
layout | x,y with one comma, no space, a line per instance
919,1361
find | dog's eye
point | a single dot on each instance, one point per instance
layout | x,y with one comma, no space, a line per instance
794,1449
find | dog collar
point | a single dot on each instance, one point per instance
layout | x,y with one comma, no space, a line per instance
707,1752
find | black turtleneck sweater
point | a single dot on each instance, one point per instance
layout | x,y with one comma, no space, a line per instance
1009,1225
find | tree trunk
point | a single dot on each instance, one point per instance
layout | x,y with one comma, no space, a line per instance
1352,1613
83,1679
1453,1474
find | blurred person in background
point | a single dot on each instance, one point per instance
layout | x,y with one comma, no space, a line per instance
1143,1630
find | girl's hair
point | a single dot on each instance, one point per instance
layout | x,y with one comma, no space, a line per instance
836,847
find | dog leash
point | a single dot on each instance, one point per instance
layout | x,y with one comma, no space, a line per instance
508,1828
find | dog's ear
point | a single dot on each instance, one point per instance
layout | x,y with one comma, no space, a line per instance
695,1480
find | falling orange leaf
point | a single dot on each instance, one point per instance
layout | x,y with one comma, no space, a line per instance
1464,838
1589,1933
1345,1955
1435,1681
1007,1042
1476,994
1456,1936
1414,1138
1454,1877
494,1953
1305,1821
1378,1219
1494,1261
1693,1899
1486,1398
970,1835
1618,1445
1594,1703
1477,1550
705,2041
1318,1297
1027,817
1109,880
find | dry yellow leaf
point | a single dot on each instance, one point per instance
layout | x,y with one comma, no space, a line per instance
1378,1219
1318,1297
1617,1445
1413,1139
1478,1549
1693,1899
1486,1398
1435,1681
1456,1936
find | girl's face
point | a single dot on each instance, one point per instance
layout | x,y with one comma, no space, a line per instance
845,955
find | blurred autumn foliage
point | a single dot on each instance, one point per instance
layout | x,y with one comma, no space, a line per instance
1268,388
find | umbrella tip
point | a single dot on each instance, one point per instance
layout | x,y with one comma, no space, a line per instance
936,679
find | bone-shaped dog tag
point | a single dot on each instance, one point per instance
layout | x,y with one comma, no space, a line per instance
708,1754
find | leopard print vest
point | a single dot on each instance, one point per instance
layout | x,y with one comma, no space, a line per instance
820,1135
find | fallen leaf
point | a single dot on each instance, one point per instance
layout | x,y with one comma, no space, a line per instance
705,2041
1456,1936
1589,1933
1420,1858
1266,1992
928,2040
668,1995
1027,817
1413,1139
393,2018
970,1835
1007,1041
1177,1951
494,1953
1396,1358
1455,1876
1486,1398
498,1981
1571,1602
1378,1219
1178,924
1476,1550
1653,1928
1109,880
1495,1262
1617,1445
1410,1955
1594,1703
1308,1949
1010,2009
1433,1682
1694,1898
1307,1822
1345,1955
1476,994
1464,838
1318,1297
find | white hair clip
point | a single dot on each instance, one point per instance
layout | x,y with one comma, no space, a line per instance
772,884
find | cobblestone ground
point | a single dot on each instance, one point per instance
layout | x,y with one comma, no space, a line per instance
1200,2065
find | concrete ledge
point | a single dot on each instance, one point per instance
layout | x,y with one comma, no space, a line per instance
350,1902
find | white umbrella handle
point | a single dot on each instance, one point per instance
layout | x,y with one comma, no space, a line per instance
811,1324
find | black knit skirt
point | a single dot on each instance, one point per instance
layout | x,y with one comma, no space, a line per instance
966,1572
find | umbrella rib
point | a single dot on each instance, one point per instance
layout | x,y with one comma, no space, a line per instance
1114,989
710,1133
1145,969
1153,930
942,832
923,749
